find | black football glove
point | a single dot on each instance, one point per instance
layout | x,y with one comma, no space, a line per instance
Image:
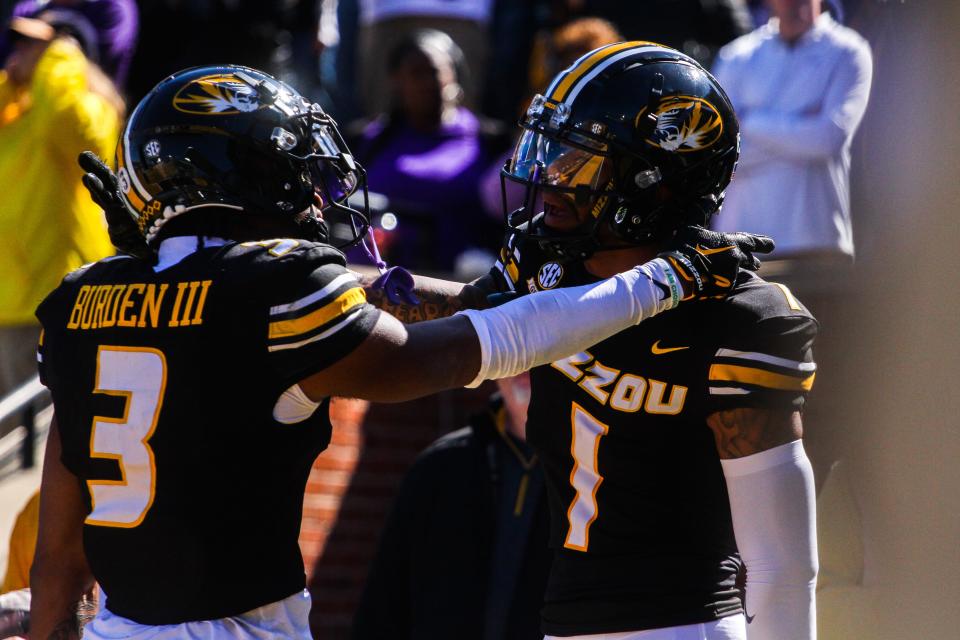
101,182
710,261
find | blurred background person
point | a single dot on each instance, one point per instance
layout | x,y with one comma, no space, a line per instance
696,27
15,590
108,27
760,12
385,23
54,103
426,154
464,551
521,33
800,85
23,542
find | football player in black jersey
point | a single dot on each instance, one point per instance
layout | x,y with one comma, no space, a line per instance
190,381
672,450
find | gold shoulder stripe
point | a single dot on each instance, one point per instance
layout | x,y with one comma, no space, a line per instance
759,377
338,306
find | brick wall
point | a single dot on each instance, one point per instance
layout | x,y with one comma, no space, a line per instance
351,488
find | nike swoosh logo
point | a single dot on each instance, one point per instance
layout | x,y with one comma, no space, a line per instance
659,351
709,252
749,617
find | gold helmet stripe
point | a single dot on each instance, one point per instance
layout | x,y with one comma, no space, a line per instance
568,84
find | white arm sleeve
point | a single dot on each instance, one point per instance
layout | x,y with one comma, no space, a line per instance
549,325
773,507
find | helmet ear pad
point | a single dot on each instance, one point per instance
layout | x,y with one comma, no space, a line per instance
653,208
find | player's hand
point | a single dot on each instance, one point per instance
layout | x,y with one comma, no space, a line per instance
101,182
709,261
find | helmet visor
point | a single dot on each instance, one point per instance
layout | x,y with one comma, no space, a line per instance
553,164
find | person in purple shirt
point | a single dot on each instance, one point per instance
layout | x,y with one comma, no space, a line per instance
109,27
427,154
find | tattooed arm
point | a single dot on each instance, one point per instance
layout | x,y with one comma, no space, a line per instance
746,431
438,298
60,575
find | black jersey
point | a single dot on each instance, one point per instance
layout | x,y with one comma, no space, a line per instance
164,385
640,518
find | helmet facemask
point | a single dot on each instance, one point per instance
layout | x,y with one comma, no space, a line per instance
574,172
334,175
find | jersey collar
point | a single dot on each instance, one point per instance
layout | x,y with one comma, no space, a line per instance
173,250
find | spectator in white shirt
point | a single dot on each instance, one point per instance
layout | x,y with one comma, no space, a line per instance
800,86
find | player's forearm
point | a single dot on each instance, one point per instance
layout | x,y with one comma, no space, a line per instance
57,589
770,484
60,574
543,327
399,362
437,298
773,508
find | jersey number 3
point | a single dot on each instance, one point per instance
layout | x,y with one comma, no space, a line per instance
139,375
585,476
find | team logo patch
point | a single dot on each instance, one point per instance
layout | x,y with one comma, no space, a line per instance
217,94
549,275
685,123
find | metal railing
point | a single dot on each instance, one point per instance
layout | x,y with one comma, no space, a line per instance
30,402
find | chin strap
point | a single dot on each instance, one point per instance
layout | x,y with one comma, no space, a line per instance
396,282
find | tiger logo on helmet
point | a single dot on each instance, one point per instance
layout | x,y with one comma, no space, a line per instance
216,94
685,124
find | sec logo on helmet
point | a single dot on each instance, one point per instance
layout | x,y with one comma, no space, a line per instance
549,275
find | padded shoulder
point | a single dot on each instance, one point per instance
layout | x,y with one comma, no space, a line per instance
282,253
756,299
765,355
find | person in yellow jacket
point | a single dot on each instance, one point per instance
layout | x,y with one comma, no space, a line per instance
23,542
54,104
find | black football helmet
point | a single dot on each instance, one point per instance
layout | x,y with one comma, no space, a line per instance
638,130
231,138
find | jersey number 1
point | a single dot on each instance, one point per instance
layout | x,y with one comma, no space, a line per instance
139,375
585,476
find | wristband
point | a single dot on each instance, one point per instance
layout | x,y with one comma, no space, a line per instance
668,279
